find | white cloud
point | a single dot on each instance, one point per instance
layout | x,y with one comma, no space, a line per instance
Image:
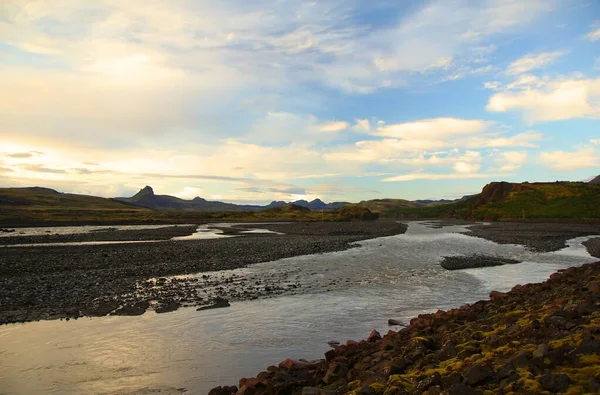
334,126
533,61
362,125
464,167
437,176
571,160
434,128
593,35
553,100
511,160
595,141
407,143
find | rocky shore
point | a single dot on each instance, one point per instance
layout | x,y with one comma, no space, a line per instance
593,246
50,282
540,237
536,339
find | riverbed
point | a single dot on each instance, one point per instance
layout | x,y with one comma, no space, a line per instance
344,295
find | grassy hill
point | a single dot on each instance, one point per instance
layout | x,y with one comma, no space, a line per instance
503,201
43,206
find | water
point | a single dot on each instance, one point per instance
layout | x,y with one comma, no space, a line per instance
393,277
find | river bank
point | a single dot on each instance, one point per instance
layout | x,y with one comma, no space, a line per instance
540,237
50,282
536,339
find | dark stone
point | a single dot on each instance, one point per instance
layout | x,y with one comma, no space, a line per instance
555,382
426,383
219,303
223,390
167,307
399,365
478,374
462,389
374,336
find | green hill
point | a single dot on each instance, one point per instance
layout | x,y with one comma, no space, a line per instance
503,201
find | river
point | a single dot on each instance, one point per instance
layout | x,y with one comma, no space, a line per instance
188,351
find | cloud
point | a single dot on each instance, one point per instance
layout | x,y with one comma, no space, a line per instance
20,155
433,176
434,128
533,61
595,141
409,143
558,99
511,160
465,168
43,169
584,157
593,35
362,125
334,126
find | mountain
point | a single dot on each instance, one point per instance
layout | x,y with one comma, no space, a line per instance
146,198
595,180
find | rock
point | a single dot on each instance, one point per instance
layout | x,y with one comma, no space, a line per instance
426,383
393,322
132,310
329,355
399,365
478,374
252,382
167,307
496,295
541,351
288,364
462,389
335,372
555,382
374,336
219,303
223,390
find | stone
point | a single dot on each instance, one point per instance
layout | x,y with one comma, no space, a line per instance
426,383
223,390
373,336
288,364
393,322
541,351
478,374
218,303
555,382
497,295
335,372
399,365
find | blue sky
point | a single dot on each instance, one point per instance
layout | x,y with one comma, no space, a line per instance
280,100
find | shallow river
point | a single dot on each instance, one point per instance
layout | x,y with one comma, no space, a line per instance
187,351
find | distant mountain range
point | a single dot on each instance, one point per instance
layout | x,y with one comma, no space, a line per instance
146,198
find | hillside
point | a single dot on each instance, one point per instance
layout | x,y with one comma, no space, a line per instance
504,201
43,206
558,200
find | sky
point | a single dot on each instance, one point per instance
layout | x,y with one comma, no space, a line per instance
253,101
